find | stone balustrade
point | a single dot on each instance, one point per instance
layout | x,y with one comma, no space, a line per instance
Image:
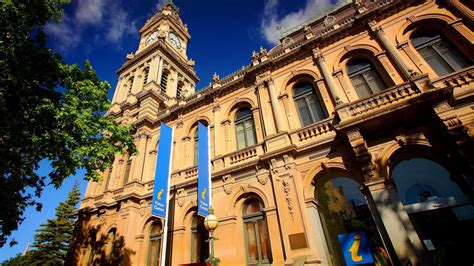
319,132
378,102
456,79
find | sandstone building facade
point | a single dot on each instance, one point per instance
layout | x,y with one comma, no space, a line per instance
361,120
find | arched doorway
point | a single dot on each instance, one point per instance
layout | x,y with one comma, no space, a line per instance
438,202
343,209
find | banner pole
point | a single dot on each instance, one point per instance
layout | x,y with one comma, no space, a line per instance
209,165
165,225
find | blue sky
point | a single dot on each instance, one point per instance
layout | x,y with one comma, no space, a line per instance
224,34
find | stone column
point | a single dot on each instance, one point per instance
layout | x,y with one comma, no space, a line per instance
345,88
258,123
216,109
153,73
289,114
333,88
391,50
465,11
267,119
400,230
324,94
277,113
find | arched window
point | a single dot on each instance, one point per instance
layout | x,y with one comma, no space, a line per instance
364,77
199,237
91,248
439,52
164,81
308,104
244,128
438,202
154,247
196,141
179,90
256,233
130,85
145,75
343,209
110,245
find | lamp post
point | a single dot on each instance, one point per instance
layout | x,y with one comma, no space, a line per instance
210,223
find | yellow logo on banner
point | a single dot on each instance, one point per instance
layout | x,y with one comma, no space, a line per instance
355,249
159,194
203,194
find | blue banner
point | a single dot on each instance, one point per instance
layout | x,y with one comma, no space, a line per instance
204,171
162,173
356,249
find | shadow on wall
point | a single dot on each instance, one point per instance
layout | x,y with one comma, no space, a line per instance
89,248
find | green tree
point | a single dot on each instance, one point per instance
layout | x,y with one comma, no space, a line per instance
52,240
50,111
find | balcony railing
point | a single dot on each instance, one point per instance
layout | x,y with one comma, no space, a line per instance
379,101
315,133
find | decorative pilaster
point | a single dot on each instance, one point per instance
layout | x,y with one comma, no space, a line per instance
392,51
333,88
153,74
139,159
278,114
136,81
216,110
160,71
267,119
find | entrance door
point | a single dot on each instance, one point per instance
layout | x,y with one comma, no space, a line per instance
441,212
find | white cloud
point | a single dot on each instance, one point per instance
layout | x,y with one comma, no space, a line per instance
106,18
64,34
89,11
119,25
271,21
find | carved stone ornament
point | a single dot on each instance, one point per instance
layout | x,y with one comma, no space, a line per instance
262,178
180,195
329,20
227,180
289,201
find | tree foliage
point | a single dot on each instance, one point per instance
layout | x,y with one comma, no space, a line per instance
53,238
50,111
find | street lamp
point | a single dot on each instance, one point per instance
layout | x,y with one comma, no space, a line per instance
210,223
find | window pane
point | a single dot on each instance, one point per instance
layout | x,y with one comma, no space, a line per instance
315,107
196,241
251,242
249,133
435,61
303,110
263,234
451,55
240,134
375,83
153,259
360,86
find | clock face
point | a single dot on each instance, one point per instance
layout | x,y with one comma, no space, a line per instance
174,40
151,38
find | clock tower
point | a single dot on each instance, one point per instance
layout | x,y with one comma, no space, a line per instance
159,67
